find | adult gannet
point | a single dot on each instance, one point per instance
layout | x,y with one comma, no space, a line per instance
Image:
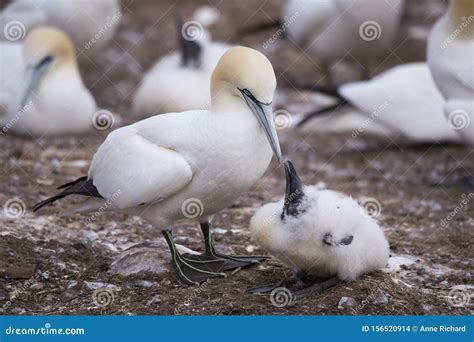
90,24
450,57
318,233
191,164
185,72
48,96
394,103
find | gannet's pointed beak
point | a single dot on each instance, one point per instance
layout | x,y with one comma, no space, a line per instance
264,114
33,77
294,191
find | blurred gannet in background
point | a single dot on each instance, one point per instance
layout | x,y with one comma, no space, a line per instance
180,81
318,233
44,94
90,24
331,30
191,164
451,60
401,101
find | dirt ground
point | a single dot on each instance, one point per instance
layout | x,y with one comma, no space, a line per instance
54,264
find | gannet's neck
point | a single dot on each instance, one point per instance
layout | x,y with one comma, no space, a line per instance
461,17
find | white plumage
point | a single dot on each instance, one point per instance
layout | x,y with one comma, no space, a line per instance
11,69
298,240
450,57
41,90
330,30
401,102
90,24
170,86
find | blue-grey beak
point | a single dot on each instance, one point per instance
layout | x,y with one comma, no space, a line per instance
33,76
263,112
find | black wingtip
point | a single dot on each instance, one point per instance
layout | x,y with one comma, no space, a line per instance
320,112
47,201
72,183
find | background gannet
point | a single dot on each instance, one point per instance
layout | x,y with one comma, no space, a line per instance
450,57
180,81
402,101
50,98
203,158
90,24
320,233
333,29
330,31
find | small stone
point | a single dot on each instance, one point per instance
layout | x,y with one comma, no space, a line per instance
50,297
346,302
94,285
37,286
380,298
145,283
427,307
69,295
146,258
154,300
72,283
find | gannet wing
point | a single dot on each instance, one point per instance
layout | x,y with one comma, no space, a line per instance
406,99
133,170
466,77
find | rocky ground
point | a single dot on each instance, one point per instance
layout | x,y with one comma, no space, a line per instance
54,264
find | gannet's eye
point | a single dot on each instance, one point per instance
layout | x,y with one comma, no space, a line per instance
45,61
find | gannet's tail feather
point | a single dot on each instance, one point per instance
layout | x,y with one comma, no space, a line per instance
81,186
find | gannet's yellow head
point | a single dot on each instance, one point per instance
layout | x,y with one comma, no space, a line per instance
46,50
46,41
247,74
244,68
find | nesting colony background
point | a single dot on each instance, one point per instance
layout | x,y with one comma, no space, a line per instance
52,264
